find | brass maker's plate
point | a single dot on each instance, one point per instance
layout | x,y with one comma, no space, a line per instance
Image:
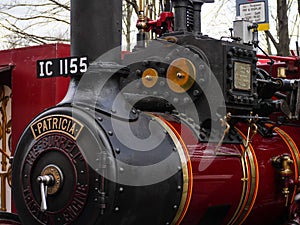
56,173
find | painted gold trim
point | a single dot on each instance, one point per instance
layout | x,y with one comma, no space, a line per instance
250,181
186,169
244,179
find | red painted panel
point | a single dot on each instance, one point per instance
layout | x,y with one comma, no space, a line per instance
30,95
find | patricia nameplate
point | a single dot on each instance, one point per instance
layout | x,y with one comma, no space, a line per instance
56,123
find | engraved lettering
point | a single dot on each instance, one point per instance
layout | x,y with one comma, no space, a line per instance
34,208
78,202
31,156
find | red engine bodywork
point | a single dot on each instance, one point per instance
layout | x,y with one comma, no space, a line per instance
236,183
282,66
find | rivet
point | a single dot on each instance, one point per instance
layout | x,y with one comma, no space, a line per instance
178,187
162,83
121,189
121,169
117,209
82,171
179,167
196,92
113,110
133,111
167,223
58,219
95,199
174,149
138,72
166,94
175,207
186,100
110,133
117,150
100,119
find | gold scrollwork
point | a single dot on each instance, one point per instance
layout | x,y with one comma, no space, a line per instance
5,131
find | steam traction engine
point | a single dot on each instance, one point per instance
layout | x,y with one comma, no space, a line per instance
184,130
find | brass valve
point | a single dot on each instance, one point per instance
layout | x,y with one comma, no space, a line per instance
286,165
283,163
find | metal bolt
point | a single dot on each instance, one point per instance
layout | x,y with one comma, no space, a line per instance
148,77
180,75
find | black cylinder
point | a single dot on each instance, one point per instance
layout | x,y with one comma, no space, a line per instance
180,11
95,27
197,16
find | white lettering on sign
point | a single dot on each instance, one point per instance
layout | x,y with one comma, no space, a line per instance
254,12
62,67
45,68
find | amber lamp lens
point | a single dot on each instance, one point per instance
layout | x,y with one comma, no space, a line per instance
181,75
149,77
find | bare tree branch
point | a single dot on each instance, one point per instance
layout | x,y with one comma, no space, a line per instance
35,17
61,5
134,5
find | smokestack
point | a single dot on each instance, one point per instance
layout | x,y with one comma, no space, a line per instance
96,27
